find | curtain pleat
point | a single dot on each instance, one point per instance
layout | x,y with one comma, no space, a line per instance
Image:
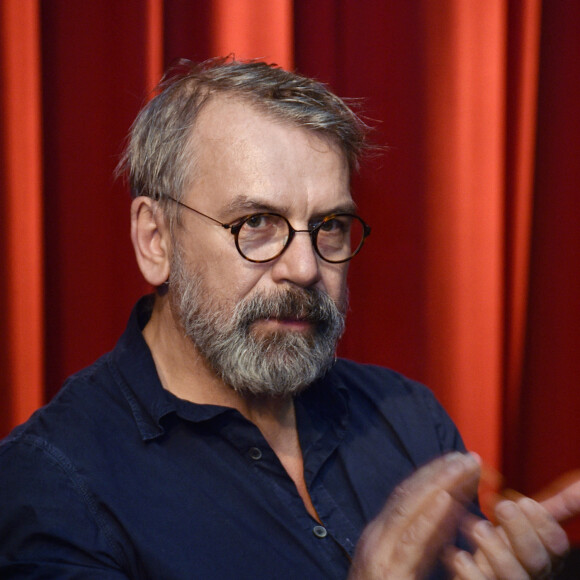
253,29
154,42
21,259
520,147
464,164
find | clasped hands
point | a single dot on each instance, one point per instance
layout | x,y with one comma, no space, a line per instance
421,518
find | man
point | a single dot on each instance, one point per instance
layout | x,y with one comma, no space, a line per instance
221,438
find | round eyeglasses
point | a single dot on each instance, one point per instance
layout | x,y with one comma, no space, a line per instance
262,237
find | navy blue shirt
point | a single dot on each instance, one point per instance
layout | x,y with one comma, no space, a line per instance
117,478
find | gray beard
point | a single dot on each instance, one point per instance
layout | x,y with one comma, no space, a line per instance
273,364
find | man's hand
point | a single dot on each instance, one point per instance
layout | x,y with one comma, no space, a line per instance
527,541
524,544
419,519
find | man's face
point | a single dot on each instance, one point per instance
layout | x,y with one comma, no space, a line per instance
269,327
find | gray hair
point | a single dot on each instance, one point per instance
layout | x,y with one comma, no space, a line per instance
158,159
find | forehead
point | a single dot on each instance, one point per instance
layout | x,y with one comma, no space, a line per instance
240,151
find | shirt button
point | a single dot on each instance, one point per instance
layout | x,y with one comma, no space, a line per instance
319,531
255,453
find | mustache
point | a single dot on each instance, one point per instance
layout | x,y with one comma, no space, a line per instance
304,304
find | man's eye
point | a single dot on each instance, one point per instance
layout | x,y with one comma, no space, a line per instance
257,221
332,225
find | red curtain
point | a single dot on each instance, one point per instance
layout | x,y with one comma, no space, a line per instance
470,279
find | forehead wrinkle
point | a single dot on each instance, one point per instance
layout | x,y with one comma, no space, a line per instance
259,188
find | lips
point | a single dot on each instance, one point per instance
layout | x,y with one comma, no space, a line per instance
286,323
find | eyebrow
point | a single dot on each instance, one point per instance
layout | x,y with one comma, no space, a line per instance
244,204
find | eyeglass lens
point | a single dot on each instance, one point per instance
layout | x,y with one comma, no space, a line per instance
262,237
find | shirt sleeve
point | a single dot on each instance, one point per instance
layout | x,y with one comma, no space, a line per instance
49,522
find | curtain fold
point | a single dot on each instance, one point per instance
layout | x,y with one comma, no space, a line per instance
21,256
464,166
470,279
253,29
154,42
524,27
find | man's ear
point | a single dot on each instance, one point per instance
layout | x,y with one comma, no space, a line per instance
151,240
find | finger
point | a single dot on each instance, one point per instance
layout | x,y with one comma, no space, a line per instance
462,565
457,473
483,564
565,504
550,533
467,526
498,555
523,538
441,471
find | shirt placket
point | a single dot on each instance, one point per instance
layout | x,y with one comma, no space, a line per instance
330,540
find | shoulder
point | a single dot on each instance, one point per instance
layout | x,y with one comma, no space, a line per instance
380,382
408,407
79,407
67,439
52,440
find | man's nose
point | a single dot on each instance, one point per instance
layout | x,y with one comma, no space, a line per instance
299,264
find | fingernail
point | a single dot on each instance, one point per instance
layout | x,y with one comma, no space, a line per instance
455,463
528,503
483,529
506,510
